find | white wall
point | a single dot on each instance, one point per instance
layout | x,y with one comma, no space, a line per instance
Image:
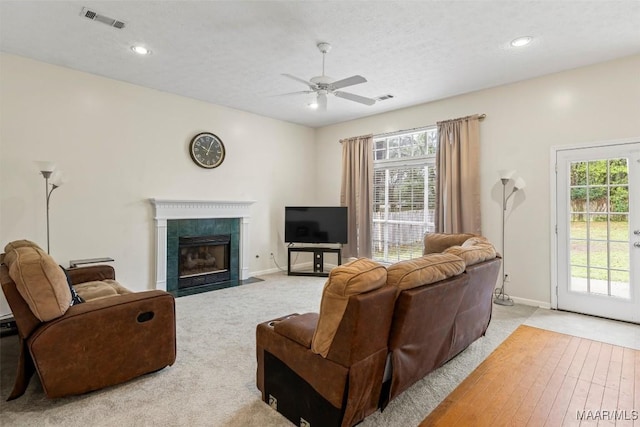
595,103
120,144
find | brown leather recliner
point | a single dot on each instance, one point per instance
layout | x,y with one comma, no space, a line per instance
326,369
99,343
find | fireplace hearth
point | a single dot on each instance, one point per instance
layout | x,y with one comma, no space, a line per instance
203,260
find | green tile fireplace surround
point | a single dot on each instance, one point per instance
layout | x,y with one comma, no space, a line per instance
190,238
198,228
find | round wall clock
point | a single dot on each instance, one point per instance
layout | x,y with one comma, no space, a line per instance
207,150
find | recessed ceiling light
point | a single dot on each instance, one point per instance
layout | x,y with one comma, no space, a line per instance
140,50
521,41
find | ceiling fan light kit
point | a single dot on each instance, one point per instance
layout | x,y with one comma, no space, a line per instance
324,85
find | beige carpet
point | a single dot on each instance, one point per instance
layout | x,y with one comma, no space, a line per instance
213,380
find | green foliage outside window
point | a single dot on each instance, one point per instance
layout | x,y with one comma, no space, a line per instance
600,186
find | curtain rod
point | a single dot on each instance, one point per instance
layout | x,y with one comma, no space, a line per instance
398,132
369,135
480,118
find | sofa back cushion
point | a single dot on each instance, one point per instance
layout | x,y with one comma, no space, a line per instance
425,270
353,278
19,244
422,330
364,329
473,251
438,242
9,256
40,281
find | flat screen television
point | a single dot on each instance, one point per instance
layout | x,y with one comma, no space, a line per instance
315,224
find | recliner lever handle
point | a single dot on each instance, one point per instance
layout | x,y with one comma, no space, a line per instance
145,317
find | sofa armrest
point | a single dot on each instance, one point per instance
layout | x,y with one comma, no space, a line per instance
105,342
301,360
298,328
91,273
438,242
108,306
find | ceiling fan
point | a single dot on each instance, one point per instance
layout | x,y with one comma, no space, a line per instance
325,85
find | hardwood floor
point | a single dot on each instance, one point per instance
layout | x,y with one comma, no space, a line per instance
543,378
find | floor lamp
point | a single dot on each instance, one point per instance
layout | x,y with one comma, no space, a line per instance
47,169
500,296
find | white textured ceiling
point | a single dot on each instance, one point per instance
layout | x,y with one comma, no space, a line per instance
233,53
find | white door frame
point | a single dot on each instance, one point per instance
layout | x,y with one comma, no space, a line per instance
554,206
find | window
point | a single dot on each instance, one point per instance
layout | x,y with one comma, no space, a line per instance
404,188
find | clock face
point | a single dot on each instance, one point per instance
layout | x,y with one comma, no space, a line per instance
207,150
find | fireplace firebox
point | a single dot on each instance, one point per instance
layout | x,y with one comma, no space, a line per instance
203,260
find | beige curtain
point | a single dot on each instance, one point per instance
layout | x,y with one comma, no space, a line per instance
458,176
357,194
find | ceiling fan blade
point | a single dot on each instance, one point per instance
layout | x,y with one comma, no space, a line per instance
349,81
300,92
299,80
354,97
322,102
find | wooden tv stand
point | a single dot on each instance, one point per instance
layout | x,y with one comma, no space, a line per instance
318,260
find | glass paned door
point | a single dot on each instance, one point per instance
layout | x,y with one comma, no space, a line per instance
599,231
599,224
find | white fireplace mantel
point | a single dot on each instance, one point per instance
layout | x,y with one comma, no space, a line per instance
195,209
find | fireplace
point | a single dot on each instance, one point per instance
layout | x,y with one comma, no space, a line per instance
193,226
203,260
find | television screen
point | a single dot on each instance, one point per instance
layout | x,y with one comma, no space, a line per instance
318,224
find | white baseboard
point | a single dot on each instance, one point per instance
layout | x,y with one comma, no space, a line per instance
268,271
531,302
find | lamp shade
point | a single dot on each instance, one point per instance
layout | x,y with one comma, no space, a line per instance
45,166
506,173
58,178
519,184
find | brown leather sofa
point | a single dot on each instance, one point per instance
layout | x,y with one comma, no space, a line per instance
434,320
115,336
440,303
326,369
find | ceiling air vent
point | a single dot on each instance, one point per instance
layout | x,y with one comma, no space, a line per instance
95,16
384,97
